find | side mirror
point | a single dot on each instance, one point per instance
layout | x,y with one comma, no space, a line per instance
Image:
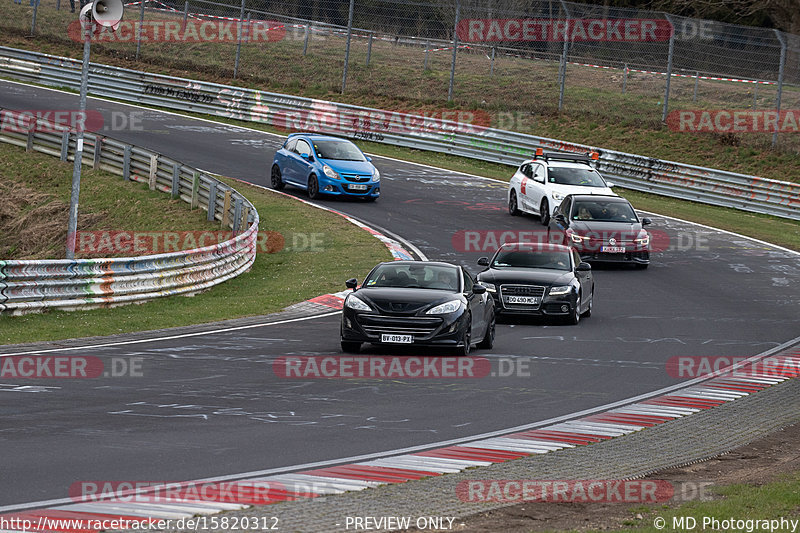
306,157
368,158
483,261
583,266
351,283
561,219
646,221
609,184
478,289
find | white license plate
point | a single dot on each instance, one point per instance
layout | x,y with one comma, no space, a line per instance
613,249
358,187
397,339
523,300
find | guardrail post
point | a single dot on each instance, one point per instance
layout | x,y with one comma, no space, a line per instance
195,191
212,201
369,47
455,53
176,180
782,67
126,163
98,148
305,40
64,145
245,217
226,207
153,171
669,68
31,133
237,214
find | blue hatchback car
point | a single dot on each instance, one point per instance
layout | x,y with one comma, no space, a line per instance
322,164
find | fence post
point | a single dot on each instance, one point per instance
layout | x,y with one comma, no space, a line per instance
369,47
427,51
195,191
755,95
347,47
782,40
126,163
696,80
98,149
669,68
562,71
455,52
625,78
139,30
305,41
237,215
185,15
243,30
212,202
491,69
35,4
153,171
226,207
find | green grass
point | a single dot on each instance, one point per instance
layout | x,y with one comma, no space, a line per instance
340,251
779,499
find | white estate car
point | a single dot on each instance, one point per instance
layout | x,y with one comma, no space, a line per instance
539,184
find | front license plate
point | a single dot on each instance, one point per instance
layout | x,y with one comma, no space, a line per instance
358,187
613,249
397,339
523,300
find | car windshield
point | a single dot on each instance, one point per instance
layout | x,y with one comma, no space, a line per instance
585,177
598,210
520,258
440,277
340,150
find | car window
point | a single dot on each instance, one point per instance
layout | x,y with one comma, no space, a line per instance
302,147
565,206
576,257
538,172
522,258
526,170
586,177
290,144
423,276
339,150
468,281
604,211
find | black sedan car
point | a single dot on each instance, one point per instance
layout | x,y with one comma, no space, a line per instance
539,279
418,303
602,229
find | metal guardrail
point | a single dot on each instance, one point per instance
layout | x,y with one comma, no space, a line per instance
34,285
641,173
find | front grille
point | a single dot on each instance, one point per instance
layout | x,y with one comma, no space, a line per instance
521,290
419,327
356,178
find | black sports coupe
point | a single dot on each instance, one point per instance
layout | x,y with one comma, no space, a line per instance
539,279
418,303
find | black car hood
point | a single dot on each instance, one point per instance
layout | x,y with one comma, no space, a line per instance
628,230
534,276
403,301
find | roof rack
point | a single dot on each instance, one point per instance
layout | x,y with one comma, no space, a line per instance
561,156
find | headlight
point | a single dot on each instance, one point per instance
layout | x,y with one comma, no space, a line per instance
354,302
561,289
578,239
489,286
332,174
557,196
376,176
448,307
643,241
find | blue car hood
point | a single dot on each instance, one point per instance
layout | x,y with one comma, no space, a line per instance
349,167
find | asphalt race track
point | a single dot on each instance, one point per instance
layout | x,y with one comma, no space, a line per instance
212,405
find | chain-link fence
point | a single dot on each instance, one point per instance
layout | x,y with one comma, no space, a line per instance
518,59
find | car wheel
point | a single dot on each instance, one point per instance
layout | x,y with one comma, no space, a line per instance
544,212
313,187
575,313
276,180
463,351
488,338
351,346
588,312
513,207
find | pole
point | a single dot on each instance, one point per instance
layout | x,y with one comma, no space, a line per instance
369,47
139,30
455,53
669,69
782,40
35,4
72,227
755,95
696,80
239,40
185,15
305,41
562,70
491,70
347,47
427,47
625,78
